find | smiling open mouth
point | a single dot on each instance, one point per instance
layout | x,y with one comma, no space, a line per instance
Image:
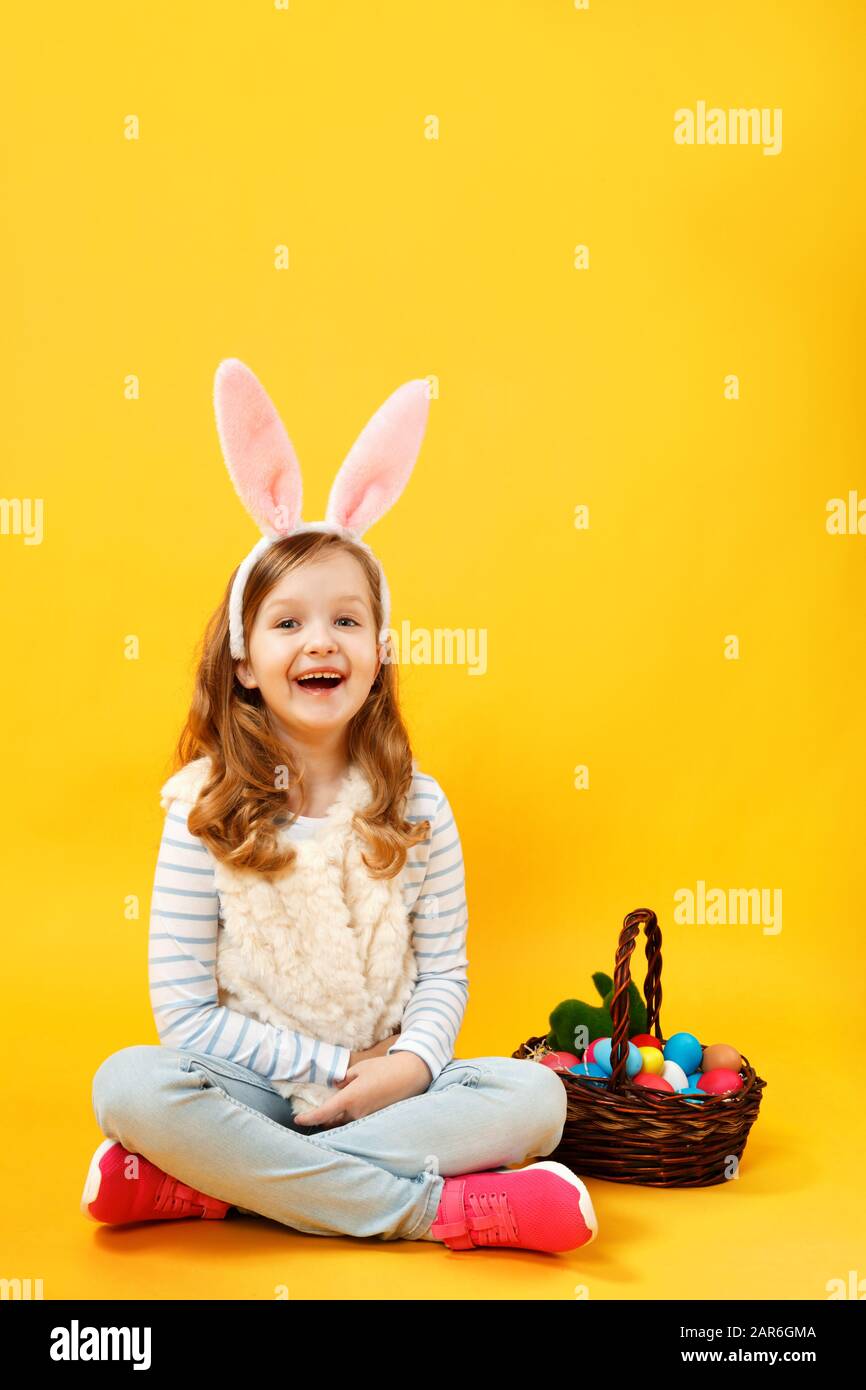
318,682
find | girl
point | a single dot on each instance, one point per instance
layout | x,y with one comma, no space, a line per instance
308,925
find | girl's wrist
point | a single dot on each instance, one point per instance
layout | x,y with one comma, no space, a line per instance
414,1066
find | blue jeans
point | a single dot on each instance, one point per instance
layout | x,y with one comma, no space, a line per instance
225,1131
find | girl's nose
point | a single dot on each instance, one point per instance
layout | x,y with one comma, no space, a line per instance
320,639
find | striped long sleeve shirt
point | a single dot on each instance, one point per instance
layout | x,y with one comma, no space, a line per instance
185,921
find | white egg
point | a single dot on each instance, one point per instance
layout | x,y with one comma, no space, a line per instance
673,1072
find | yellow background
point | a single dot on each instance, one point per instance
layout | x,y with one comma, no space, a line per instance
606,647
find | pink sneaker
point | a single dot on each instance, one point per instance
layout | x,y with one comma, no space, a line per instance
112,1197
543,1206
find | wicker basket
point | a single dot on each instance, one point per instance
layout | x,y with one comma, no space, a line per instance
627,1133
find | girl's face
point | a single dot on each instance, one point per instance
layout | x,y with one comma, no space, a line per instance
317,616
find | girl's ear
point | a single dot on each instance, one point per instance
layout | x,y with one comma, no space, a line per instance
260,457
377,467
245,675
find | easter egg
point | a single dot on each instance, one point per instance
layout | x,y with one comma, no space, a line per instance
695,1078
694,1093
601,1055
720,1082
647,1040
651,1082
633,1062
675,1075
589,1071
685,1050
558,1061
721,1055
653,1060
589,1054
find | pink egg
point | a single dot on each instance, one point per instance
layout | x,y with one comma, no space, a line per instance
558,1061
589,1054
651,1081
720,1081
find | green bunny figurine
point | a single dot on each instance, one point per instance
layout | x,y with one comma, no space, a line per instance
573,1014
636,1003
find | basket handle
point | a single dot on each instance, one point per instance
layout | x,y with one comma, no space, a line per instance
652,989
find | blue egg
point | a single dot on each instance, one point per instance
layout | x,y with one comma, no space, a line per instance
695,1078
589,1071
634,1061
686,1051
601,1056
694,1093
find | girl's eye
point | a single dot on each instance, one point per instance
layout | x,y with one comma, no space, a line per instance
345,619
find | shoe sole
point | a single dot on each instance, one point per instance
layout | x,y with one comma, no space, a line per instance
587,1210
93,1180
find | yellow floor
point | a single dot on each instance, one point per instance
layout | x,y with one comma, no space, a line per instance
792,1222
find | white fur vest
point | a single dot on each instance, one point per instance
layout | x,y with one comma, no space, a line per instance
323,948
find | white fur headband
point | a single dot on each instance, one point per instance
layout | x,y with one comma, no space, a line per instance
264,468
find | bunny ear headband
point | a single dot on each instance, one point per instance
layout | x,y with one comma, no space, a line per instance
264,468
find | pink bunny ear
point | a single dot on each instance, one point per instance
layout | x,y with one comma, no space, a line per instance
259,455
377,467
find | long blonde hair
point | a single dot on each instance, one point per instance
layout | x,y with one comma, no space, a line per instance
234,812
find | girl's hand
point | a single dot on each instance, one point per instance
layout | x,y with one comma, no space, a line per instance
369,1086
378,1050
